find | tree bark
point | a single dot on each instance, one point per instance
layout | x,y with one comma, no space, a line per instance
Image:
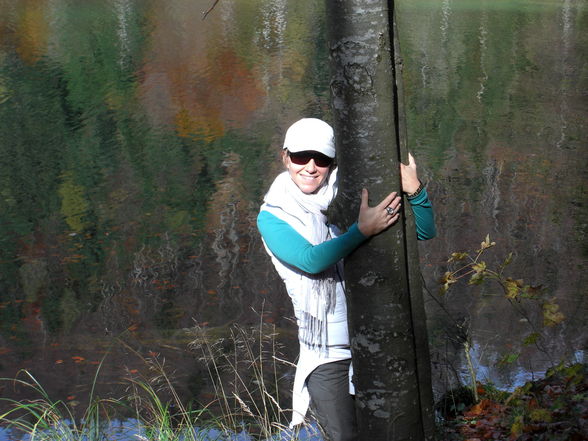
383,284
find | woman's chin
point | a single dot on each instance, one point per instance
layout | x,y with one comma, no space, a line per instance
308,188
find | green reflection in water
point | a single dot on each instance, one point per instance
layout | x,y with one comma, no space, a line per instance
136,142
118,122
495,105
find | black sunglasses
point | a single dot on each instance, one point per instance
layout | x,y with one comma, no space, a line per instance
303,158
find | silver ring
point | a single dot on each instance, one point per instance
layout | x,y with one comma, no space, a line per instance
390,211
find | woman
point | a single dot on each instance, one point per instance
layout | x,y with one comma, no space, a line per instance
307,253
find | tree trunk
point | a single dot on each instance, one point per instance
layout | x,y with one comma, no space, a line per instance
384,291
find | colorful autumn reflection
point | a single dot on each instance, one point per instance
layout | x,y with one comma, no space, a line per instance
137,140
203,87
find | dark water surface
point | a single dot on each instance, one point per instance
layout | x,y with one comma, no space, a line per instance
136,141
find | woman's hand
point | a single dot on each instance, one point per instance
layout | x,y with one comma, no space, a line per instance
373,220
408,175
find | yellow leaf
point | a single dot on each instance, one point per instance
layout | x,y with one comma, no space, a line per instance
486,244
513,288
455,257
551,314
446,281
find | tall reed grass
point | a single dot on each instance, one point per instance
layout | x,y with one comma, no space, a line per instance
245,369
246,372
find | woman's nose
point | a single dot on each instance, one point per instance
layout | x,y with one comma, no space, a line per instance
310,165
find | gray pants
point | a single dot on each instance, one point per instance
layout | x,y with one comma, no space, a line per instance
331,402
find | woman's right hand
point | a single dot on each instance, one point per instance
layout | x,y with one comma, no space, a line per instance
373,220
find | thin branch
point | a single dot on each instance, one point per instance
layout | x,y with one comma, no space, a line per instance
205,14
467,347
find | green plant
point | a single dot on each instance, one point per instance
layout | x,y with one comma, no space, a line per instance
470,266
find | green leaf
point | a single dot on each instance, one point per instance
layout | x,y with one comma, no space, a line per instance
516,429
480,272
508,359
540,416
531,339
532,291
476,279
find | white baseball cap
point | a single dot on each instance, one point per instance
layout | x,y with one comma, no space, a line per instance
310,134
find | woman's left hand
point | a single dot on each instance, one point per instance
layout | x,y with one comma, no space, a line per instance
409,177
373,220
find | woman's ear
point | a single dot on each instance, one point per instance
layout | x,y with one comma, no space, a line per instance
285,158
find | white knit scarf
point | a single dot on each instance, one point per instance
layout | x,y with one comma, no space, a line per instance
304,212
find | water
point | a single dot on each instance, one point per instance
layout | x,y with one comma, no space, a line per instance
136,140
496,105
131,429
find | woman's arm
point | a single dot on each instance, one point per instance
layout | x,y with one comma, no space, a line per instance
421,206
424,216
290,247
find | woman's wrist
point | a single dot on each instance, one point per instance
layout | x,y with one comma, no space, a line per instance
415,193
356,230
365,232
410,184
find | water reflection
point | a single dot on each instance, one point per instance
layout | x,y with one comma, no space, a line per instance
131,429
136,140
505,159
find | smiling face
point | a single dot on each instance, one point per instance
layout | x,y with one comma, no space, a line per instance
307,175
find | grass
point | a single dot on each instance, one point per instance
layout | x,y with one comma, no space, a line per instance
244,372
244,369
43,419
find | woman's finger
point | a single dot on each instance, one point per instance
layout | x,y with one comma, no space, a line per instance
411,160
392,219
395,204
364,199
387,200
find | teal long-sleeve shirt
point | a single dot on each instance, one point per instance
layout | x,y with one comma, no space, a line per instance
292,248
